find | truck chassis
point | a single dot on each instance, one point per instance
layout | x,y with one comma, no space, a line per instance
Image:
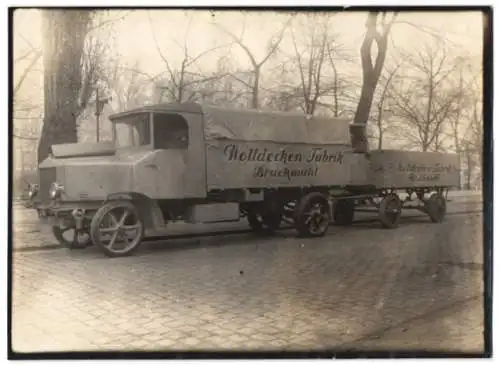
117,226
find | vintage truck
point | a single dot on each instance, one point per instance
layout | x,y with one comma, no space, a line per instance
199,163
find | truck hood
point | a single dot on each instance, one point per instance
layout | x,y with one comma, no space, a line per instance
94,157
83,149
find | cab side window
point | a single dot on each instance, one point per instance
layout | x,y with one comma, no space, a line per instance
171,131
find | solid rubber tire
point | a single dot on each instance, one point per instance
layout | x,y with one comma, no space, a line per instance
97,218
434,214
386,223
304,203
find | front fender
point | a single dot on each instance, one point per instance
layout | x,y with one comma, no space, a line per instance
148,208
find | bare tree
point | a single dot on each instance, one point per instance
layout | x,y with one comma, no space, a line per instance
311,65
314,51
377,32
35,55
182,81
129,85
281,92
272,47
466,121
424,99
384,92
24,108
224,90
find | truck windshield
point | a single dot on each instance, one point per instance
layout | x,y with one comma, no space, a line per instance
132,131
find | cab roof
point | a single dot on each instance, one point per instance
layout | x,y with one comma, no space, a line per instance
165,107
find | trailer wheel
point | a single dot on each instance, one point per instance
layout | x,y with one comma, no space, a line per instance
389,211
81,240
117,229
312,215
436,208
343,212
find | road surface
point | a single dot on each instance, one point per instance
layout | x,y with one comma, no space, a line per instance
418,287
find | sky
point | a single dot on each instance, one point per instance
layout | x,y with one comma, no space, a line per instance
131,37
135,38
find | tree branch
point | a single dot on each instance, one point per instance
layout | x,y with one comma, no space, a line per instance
26,72
276,44
240,43
169,69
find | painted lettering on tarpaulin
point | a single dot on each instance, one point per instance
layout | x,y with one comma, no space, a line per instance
289,173
429,169
256,154
424,177
427,172
312,155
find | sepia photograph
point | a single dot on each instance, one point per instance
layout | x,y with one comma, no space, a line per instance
250,182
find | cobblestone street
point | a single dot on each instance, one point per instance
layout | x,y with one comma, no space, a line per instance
419,287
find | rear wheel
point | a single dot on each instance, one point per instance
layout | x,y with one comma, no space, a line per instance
117,229
312,215
390,211
436,208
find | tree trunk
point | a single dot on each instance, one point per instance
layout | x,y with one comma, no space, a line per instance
380,136
335,93
359,139
380,108
255,91
64,33
469,170
371,74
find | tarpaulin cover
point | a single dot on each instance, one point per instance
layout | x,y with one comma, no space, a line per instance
255,126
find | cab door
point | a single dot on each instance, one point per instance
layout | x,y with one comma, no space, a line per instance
180,156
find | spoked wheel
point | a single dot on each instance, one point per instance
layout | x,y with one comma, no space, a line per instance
66,237
117,229
390,211
436,207
343,212
312,215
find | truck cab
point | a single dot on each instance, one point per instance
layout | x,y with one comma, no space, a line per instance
174,166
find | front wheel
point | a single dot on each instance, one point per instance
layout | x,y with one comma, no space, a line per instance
70,237
312,215
117,229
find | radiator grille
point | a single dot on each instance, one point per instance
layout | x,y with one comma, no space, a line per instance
47,177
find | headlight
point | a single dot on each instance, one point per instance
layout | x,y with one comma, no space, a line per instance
55,190
32,190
